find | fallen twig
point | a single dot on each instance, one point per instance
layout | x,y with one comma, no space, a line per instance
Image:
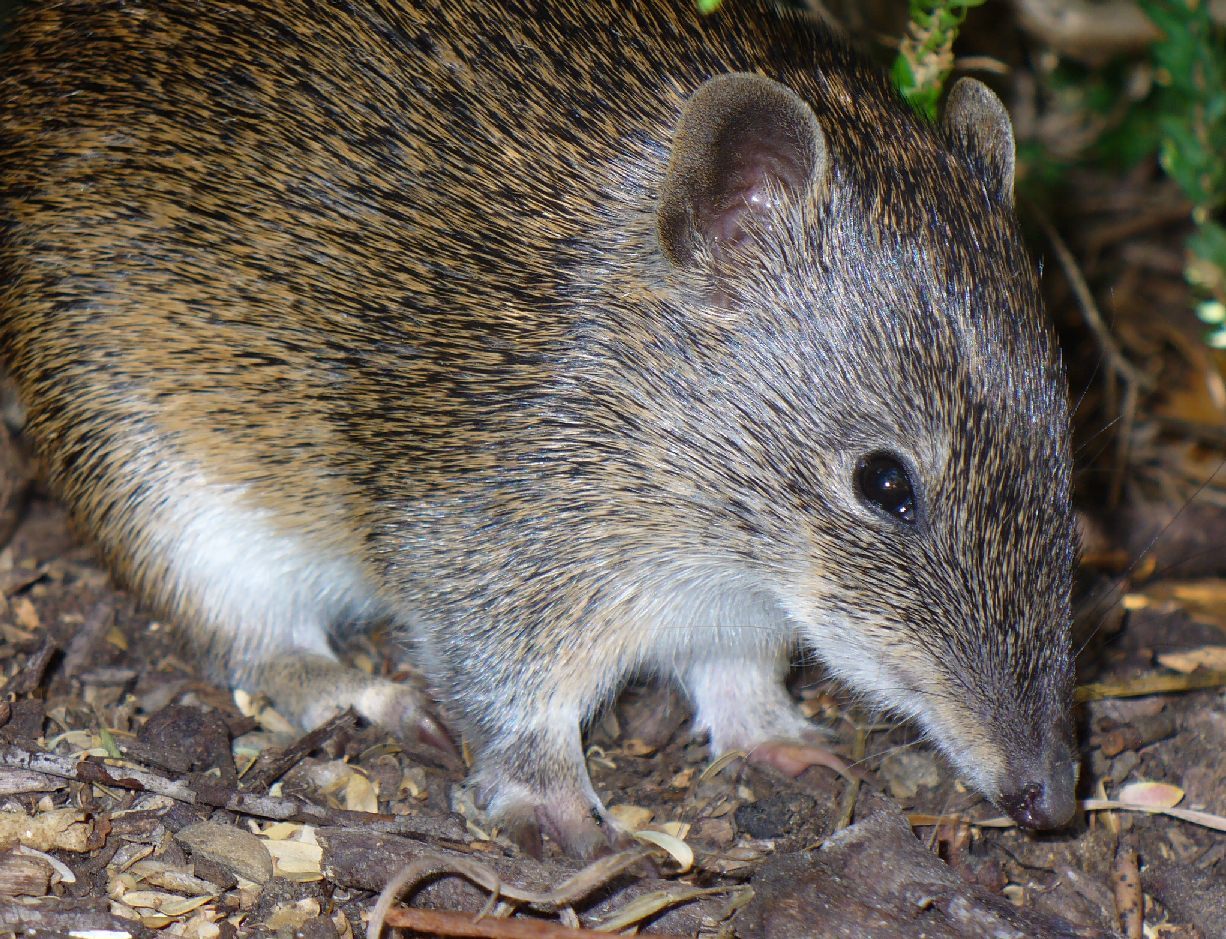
1193,816
447,923
62,920
570,891
1126,879
31,676
267,771
847,805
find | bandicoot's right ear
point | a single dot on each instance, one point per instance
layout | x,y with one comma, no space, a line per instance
744,145
977,120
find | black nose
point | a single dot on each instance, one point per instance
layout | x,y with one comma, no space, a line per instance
1045,802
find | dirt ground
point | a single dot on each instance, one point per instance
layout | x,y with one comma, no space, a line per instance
136,798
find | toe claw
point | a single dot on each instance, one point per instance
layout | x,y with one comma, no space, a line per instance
432,734
526,836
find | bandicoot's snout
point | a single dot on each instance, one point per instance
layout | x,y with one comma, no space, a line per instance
1042,793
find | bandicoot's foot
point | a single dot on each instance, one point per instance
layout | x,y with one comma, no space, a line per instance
575,821
309,688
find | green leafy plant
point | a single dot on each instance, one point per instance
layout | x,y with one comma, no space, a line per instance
1190,69
925,55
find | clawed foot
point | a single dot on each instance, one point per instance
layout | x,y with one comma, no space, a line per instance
576,822
309,688
407,713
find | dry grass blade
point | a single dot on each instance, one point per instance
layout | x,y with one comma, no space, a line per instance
1194,816
1150,684
652,904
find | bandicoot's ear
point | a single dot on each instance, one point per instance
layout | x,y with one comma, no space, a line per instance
744,142
977,120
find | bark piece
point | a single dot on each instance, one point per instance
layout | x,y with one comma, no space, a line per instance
1190,895
238,851
875,880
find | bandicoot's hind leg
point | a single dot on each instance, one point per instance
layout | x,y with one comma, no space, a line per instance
308,688
260,603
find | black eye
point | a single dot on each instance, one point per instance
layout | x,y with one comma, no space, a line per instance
882,482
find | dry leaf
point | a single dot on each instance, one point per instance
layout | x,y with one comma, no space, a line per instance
270,719
293,916
676,829
159,874
25,614
297,860
161,901
631,817
360,794
680,852
683,779
296,854
203,925
1203,600
181,906
280,831
1210,657
1152,795
413,784
637,747
1195,816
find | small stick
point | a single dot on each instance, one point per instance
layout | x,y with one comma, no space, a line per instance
1129,904
859,746
570,891
80,653
31,676
1089,308
273,768
1150,684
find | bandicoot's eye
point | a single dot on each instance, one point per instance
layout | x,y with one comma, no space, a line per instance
883,484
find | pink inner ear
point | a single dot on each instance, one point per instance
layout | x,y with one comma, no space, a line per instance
755,181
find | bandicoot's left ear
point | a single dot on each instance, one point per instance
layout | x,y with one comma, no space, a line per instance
977,121
745,145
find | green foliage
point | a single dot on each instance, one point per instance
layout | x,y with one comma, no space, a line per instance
925,55
1190,68
1108,95
707,6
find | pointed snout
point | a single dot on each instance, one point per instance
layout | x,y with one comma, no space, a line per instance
1042,793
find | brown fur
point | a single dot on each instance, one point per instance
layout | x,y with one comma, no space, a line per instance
400,312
